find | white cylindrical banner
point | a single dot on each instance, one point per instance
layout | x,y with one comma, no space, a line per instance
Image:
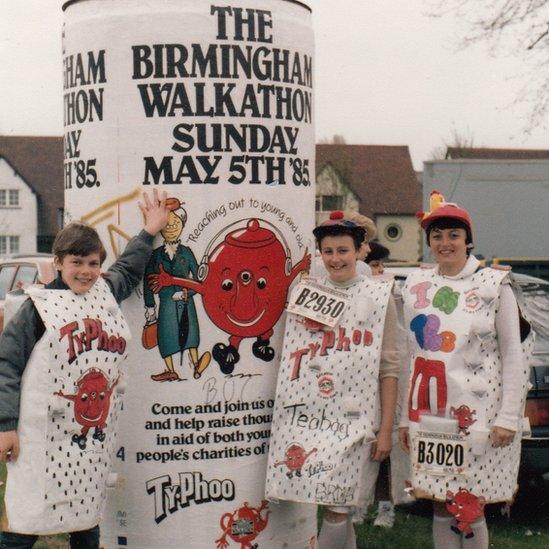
212,102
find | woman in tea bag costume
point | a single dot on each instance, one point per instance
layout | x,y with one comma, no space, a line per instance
468,380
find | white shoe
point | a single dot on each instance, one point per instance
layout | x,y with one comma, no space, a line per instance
385,515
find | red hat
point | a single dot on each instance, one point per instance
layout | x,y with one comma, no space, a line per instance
173,203
337,217
442,209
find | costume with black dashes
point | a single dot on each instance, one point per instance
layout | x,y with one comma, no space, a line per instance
326,409
58,482
456,373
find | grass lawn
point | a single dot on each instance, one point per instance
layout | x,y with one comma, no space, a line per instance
413,530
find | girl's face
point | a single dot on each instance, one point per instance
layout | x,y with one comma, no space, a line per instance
339,256
449,249
377,266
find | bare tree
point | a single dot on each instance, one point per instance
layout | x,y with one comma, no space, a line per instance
510,27
461,140
336,139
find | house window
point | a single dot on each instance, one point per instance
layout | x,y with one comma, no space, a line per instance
9,244
329,202
393,232
14,197
9,197
14,244
60,217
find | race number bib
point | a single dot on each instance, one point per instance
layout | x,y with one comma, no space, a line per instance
318,302
440,453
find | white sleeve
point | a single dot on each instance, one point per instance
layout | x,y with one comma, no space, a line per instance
515,369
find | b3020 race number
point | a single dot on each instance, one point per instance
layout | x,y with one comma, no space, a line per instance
441,453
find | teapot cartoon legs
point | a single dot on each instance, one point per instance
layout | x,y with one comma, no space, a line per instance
227,356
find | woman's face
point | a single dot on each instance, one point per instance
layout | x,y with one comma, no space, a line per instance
339,256
449,248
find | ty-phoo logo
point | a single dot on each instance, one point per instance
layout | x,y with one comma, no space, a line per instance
171,495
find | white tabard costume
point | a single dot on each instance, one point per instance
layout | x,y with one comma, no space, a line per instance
326,409
455,389
69,407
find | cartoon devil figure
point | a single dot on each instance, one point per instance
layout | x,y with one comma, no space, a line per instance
91,404
464,415
466,508
296,456
244,283
243,526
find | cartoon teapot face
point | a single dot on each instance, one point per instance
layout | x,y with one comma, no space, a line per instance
246,281
244,525
244,284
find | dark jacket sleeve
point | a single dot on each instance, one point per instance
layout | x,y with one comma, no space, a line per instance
127,271
152,267
16,344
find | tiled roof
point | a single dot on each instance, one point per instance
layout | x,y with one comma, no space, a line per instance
382,176
39,161
455,153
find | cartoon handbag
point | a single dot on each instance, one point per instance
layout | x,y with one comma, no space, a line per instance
149,337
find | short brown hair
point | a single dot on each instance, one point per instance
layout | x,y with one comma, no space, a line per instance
78,239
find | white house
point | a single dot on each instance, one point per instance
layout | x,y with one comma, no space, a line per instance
31,193
378,181
18,212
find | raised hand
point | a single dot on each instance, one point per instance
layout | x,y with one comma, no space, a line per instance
155,211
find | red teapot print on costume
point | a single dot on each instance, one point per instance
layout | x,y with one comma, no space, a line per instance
464,415
244,284
296,456
91,404
243,526
466,508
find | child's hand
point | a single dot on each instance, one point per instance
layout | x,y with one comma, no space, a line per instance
155,211
9,446
382,446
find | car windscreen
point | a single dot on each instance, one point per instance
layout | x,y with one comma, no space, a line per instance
533,299
6,278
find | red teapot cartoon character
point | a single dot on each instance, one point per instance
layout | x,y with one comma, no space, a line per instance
244,282
296,456
243,526
91,404
464,415
466,508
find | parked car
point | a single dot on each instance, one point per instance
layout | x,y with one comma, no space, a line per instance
19,271
533,297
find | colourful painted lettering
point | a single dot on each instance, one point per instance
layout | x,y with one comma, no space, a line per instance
446,300
420,291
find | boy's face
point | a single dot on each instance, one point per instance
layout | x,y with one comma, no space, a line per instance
79,272
339,256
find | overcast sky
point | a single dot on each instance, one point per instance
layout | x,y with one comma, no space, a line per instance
385,74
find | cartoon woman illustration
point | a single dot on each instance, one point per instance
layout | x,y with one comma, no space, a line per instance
178,328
